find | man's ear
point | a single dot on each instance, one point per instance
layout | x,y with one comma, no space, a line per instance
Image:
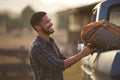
37,27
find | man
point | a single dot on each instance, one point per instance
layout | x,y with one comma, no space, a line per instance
46,60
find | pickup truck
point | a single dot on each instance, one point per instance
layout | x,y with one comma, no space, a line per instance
106,66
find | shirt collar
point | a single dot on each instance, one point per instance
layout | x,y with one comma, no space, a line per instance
40,39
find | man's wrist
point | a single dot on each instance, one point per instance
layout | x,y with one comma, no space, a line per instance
90,46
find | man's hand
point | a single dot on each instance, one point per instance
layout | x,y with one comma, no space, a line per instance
70,61
86,50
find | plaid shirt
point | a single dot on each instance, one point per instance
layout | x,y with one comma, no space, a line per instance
46,60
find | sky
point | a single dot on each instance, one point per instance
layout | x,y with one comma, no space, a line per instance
50,6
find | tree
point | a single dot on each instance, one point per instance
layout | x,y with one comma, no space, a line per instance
13,24
19,23
25,15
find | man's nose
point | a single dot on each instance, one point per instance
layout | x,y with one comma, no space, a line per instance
51,23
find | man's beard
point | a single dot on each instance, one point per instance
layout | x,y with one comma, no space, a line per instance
50,31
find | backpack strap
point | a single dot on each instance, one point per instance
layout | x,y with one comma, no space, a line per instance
113,28
94,34
89,27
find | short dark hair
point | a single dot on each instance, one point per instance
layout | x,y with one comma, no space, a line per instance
36,18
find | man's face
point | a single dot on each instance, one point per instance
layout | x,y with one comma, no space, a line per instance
46,25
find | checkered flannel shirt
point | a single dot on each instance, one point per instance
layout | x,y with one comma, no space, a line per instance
46,60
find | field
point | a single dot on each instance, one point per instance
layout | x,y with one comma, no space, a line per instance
16,40
73,73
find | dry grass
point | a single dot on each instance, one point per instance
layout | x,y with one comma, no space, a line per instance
15,41
9,60
73,73
24,38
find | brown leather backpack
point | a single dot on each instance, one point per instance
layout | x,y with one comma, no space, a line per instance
103,35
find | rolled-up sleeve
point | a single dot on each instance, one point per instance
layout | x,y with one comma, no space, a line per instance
62,56
41,55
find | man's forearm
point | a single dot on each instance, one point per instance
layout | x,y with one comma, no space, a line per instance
72,60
